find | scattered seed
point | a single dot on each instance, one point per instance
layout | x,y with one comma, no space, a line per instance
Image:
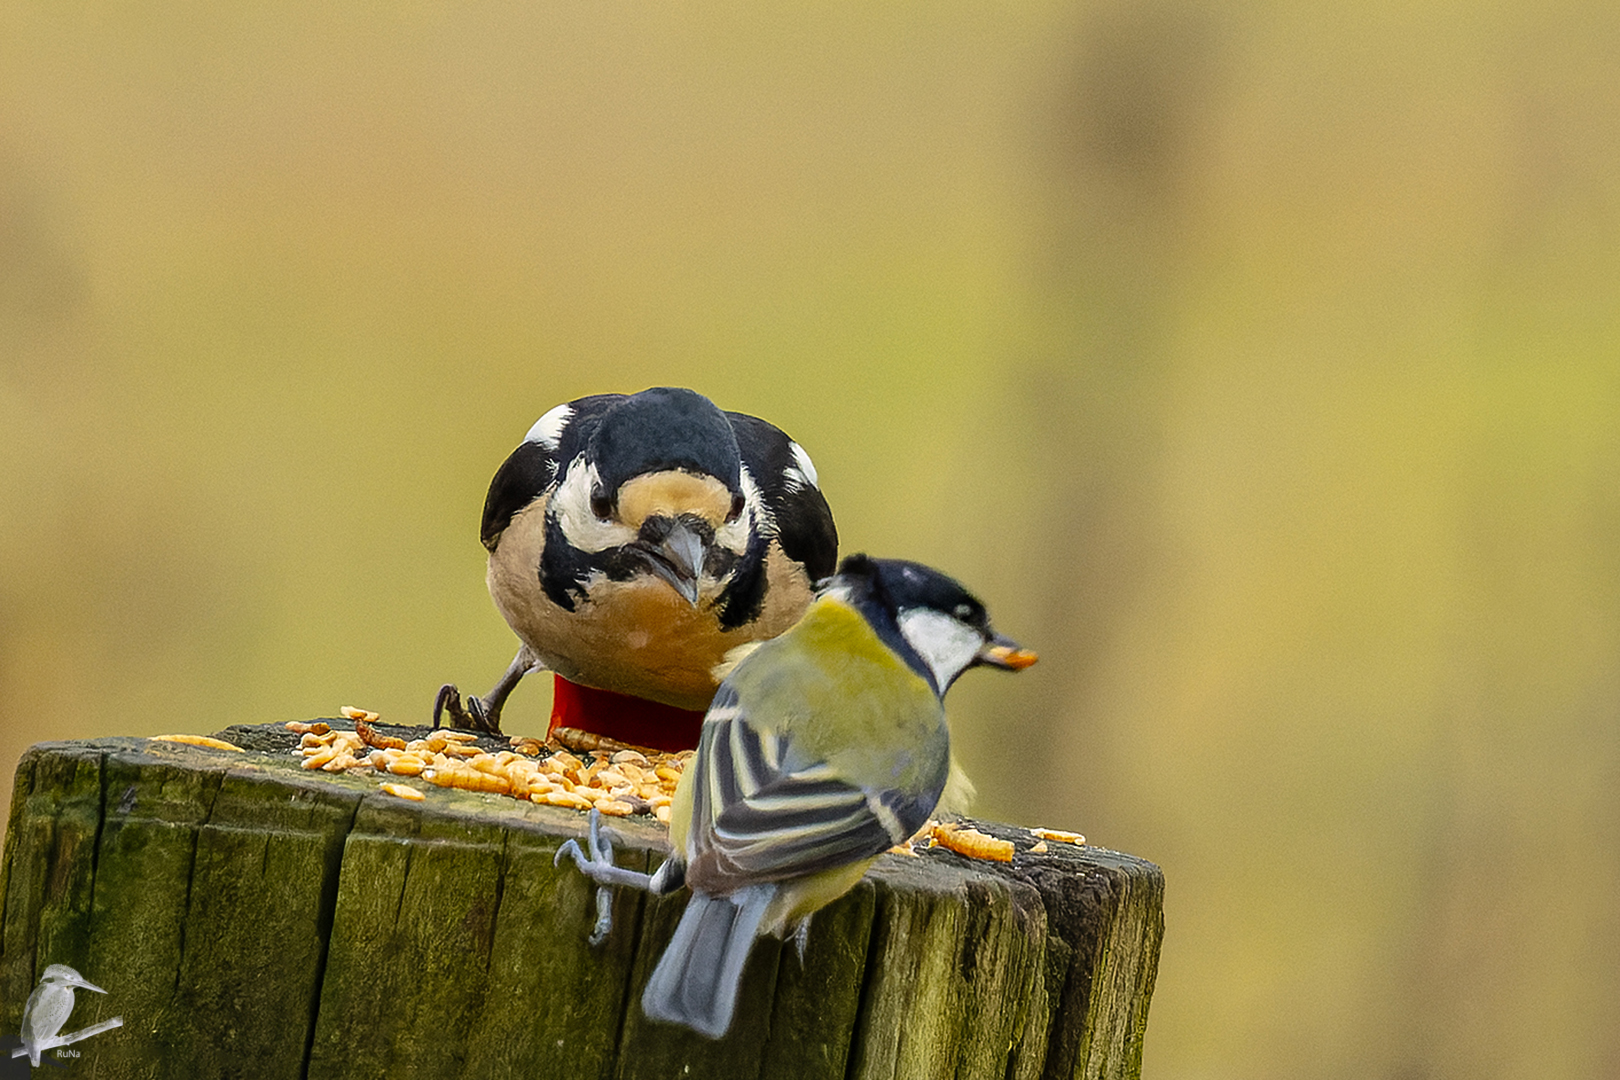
1058,835
320,757
404,791
1040,848
298,727
341,762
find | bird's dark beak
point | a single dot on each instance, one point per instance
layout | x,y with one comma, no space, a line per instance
83,985
1006,654
675,552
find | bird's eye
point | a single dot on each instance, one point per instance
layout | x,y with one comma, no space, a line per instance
963,612
601,505
737,505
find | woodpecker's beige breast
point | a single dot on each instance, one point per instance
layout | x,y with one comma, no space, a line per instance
637,636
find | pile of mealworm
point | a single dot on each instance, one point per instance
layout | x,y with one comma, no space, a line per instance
579,770
618,782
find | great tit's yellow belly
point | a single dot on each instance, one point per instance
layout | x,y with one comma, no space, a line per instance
638,636
797,899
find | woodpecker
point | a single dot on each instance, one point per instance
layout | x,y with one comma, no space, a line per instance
636,539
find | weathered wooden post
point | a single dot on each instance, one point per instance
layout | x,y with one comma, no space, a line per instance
248,918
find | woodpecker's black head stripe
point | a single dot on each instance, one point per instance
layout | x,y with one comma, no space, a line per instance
664,428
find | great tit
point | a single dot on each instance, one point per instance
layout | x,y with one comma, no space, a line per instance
823,748
635,539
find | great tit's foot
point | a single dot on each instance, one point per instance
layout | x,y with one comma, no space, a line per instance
600,869
598,865
475,715
604,917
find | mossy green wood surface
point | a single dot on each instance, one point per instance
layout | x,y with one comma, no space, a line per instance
251,919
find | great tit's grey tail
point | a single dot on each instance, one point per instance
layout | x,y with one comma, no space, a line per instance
695,982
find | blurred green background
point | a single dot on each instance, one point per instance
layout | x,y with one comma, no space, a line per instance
1259,364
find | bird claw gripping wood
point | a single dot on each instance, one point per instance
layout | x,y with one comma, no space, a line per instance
598,866
470,717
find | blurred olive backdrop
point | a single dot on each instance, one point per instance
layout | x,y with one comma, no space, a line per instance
1257,363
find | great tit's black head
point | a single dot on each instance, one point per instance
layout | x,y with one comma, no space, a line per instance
946,627
660,479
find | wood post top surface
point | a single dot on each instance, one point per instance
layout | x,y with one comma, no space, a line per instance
240,908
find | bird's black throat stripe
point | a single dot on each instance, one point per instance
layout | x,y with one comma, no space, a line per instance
564,571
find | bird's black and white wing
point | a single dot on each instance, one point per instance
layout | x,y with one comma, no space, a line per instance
758,815
786,478
533,468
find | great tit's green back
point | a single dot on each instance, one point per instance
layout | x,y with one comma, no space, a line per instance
841,696
823,748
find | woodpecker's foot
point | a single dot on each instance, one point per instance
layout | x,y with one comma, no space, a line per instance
475,715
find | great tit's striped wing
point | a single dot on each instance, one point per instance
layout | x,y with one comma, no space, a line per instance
758,815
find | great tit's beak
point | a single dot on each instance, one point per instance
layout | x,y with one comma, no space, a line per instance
1006,654
675,552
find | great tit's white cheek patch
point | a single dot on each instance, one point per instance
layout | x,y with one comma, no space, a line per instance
945,645
572,505
803,471
547,431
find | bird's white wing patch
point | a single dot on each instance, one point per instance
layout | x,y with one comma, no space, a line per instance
803,470
547,430
946,645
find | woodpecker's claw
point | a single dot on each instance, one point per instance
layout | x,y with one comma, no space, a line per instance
475,715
